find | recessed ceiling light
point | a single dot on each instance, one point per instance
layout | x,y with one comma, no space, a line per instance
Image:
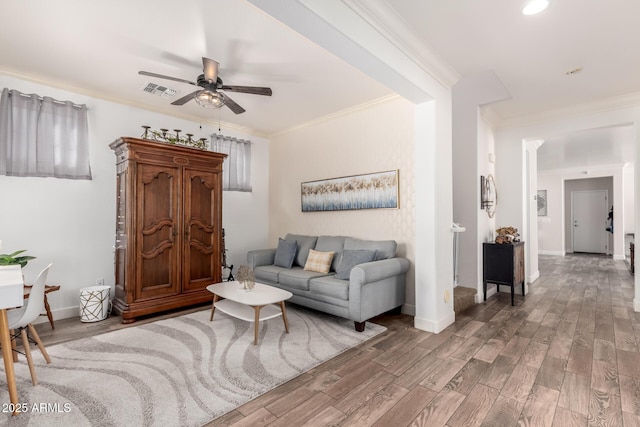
535,6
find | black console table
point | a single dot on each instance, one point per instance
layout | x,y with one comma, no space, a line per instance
503,264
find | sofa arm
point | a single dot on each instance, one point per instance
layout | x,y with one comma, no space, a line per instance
261,257
378,270
377,287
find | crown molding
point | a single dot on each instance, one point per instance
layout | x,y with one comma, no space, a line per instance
386,20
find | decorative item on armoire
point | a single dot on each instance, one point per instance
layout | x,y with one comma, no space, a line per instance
164,136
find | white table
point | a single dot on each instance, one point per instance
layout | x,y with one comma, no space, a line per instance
252,306
11,295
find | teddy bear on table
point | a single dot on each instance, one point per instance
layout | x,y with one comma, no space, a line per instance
507,235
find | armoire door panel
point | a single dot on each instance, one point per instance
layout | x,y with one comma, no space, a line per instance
157,264
202,233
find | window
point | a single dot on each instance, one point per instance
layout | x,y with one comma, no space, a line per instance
40,136
237,166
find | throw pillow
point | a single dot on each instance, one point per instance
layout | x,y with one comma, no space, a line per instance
286,253
318,261
351,258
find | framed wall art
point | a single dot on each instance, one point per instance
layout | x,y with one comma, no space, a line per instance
378,190
542,202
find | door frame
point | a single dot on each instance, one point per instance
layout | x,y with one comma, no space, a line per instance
606,210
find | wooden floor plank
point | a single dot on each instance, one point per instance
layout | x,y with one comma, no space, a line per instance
539,410
474,408
439,410
575,393
408,408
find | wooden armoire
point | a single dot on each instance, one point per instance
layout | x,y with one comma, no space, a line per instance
168,226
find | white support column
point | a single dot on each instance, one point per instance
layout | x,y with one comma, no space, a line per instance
434,243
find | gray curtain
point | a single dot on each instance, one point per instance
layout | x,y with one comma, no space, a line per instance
40,136
237,166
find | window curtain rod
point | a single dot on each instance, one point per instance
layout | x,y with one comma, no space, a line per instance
55,101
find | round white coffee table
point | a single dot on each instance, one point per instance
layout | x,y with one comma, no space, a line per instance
253,306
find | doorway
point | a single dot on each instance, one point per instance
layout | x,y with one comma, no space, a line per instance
589,212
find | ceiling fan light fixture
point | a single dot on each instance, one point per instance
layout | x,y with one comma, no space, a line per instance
208,99
533,7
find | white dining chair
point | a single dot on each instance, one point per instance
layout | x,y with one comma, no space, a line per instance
20,321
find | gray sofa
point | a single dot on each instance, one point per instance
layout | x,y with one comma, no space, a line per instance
369,288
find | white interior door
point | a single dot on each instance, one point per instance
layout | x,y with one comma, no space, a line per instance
589,210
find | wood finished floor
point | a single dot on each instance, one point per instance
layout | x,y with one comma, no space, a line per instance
569,355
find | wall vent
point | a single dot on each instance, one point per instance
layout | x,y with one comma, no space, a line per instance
155,89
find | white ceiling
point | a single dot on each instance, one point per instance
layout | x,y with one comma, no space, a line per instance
98,47
588,149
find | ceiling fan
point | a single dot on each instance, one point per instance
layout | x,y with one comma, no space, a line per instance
209,96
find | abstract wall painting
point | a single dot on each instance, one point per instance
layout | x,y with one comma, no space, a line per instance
369,191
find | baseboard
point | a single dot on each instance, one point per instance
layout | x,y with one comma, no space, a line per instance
555,253
479,297
636,305
619,257
434,327
59,314
533,277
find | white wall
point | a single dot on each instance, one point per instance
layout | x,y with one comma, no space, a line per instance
374,139
72,223
485,231
551,227
472,142
628,199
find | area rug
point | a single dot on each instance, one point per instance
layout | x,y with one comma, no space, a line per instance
184,371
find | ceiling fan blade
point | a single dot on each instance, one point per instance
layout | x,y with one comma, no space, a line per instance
160,76
233,106
210,68
266,91
186,98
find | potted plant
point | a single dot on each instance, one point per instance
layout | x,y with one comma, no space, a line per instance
12,259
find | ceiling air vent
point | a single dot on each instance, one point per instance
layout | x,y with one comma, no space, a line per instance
155,89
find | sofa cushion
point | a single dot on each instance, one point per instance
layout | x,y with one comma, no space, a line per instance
318,261
268,273
286,253
331,287
351,258
333,244
386,248
297,278
304,244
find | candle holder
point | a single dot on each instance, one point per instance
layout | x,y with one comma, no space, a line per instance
163,135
